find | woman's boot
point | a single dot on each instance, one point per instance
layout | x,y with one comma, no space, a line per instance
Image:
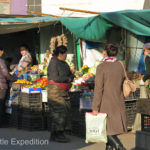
52,136
60,137
115,142
108,147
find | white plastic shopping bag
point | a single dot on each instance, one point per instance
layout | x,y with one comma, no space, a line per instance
96,128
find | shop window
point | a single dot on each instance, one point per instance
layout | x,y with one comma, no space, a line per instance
34,5
4,6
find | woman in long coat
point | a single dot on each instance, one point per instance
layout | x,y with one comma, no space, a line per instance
108,97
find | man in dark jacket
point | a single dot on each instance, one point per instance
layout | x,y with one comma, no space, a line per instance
4,76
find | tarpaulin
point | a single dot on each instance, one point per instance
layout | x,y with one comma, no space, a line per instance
96,28
135,21
16,24
90,28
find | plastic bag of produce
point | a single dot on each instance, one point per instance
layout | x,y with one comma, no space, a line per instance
96,127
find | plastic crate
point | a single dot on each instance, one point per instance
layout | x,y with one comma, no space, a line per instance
134,95
31,111
49,123
75,99
31,105
137,93
145,122
31,98
78,122
32,123
130,112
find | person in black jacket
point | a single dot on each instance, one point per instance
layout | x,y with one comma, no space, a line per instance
60,78
146,49
4,77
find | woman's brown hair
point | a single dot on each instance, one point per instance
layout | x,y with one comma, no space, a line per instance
112,49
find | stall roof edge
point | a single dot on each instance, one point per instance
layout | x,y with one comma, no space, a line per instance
15,16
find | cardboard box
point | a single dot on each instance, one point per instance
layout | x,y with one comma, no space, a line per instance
31,90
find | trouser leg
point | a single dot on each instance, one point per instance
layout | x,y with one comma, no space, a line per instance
115,142
2,105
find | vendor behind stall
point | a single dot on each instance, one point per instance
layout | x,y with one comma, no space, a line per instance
60,78
146,49
25,61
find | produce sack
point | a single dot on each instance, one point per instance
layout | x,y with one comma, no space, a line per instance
96,128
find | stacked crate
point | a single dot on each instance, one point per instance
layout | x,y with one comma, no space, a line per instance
130,112
31,112
15,118
78,116
46,116
78,122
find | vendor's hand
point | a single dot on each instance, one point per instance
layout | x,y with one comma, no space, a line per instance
142,82
95,112
16,72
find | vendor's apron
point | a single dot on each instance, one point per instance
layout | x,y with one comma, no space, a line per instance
59,105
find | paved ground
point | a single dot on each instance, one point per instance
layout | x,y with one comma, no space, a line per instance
9,137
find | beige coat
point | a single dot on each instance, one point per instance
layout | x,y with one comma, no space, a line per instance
108,96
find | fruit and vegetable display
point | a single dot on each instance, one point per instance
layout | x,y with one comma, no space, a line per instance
84,78
42,82
88,94
23,81
84,70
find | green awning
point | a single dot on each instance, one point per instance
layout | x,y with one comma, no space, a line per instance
135,21
96,28
90,28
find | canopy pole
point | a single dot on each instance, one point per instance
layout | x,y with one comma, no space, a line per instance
79,10
78,54
42,14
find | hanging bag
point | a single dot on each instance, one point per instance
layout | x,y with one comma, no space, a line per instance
96,127
128,85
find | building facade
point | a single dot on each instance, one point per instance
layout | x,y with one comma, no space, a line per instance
19,7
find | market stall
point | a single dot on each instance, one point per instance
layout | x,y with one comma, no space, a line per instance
28,107
24,105
28,96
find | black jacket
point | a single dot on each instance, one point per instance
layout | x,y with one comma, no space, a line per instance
59,71
4,75
147,64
